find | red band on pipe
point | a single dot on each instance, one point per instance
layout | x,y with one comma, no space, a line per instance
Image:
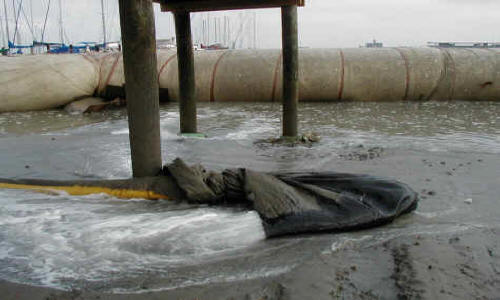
275,79
342,74
101,62
113,68
407,66
451,70
165,64
212,84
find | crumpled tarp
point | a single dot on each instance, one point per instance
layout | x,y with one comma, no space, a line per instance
293,203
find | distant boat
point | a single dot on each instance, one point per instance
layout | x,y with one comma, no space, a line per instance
42,46
216,46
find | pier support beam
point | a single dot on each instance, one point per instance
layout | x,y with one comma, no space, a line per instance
139,58
185,60
290,69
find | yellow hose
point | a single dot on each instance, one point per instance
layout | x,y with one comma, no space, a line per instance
77,190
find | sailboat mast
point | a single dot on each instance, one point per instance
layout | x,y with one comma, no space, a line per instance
103,23
45,21
215,29
17,14
255,30
202,31
61,30
208,29
32,23
15,22
2,32
226,31
6,22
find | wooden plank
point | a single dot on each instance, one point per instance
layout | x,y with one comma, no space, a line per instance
211,5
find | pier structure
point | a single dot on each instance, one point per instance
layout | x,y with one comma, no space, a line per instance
139,57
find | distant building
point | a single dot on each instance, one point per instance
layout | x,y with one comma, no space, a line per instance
463,45
374,44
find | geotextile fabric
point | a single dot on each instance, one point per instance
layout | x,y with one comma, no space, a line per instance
293,203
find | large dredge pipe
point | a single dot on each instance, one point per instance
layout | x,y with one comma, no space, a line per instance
384,74
46,81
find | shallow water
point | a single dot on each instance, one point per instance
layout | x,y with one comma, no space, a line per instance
106,243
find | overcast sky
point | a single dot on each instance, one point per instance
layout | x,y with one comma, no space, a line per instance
322,23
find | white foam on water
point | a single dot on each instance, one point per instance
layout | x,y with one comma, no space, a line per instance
166,133
256,128
51,240
346,241
120,131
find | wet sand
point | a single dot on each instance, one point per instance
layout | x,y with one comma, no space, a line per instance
458,260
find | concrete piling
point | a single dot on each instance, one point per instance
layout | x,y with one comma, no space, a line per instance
290,69
139,58
185,61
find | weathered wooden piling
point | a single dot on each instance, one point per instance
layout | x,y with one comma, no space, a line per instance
139,58
185,61
290,69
